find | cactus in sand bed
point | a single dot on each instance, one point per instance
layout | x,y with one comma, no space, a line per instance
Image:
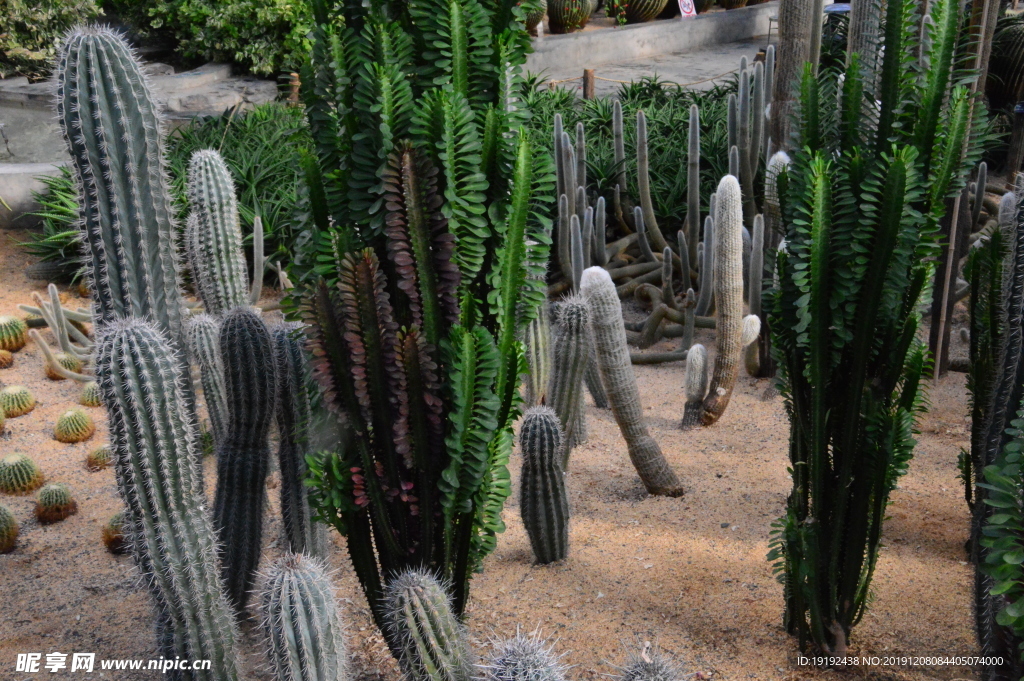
213,235
303,627
201,334
693,223
16,400
571,357
113,533
6,359
55,503
8,530
158,475
13,333
74,425
647,662
99,458
523,657
705,299
19,475
755,277
432,643
90,396
243,456
294,413
543,500
566,16
696,385
66,360
620,383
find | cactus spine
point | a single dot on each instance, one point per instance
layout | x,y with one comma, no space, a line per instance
523,657
620,383
65,360
74,425
301,621
15,401
159,478
213,235
55,503
243,457
13,333
8,530
19,475
203,346
571,358
90,396
431,642
543,500
294,413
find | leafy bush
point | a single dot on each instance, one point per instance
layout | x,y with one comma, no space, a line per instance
32,29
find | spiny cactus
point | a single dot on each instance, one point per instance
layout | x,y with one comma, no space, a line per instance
19,475
571,357
213,235
1007,209
639,11
432,643
755,284
543,500
114,533
55,503
74,425
647,662
696,385
301,622
705,299
15,400
158,475
68,361
620,382
8,530
294,413
523,657
243,457
6,359
99,458
13,333
90,396
693,222
537,343
201,332
566,16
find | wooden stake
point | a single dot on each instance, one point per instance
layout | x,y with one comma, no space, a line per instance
588,84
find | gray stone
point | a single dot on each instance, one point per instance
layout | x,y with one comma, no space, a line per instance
18,181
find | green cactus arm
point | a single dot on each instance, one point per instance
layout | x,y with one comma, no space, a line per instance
693,221
946,15
618,145
643,180
201,335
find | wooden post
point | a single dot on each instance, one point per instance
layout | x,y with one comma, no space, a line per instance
1015,158
293,85
588,83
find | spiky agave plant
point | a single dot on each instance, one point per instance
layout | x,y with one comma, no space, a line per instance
862,200
432,249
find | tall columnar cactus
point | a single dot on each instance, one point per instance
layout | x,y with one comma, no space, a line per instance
243,456
571,358
523,657
620,382
169,529
543,500
432,643
696,385
537,343
213,234
301,621
202,331
755,286
705,299
693,222
294,416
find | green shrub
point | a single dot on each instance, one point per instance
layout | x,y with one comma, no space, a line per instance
31,30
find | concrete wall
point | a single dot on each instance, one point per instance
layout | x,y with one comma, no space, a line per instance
17,182
588,49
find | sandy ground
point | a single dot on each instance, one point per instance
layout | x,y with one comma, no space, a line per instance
689,572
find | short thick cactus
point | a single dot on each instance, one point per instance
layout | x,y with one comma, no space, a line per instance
213,235
537,343
99,458
90,396
8,530
647,662
566,16
294,413
158,476
55,503
74,425
243,456
572,355
201,333
13,333
620,383
6,359
113,533
639,11
696,385
543,500
432,643
303,627
523,657
19,475
67,361
16,400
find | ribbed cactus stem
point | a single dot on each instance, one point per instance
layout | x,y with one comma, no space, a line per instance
620,383
757,121
689,319
732,121
581,157
543,500
748,244
979,195
204,350
294,417
563,237
600,255
581,203
643,183
250,383
641,235
776,165
538,357
571,357
569,161
158,476
684,257
693,222
744,145
769,85
695,385
1007,210
751,355
618,145
588,236
707,269
560,183
523,657
301,622
728,298
575,251
668,294
734,162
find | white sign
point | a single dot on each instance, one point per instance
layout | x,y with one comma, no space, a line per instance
686,9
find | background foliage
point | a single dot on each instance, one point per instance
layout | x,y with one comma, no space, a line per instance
30,30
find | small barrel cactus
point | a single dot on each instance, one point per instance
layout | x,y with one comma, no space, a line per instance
639,11
431,642
8,530
301,621
55,503
647,662
13,333
113,533
66,360
19,475
543,500
3,423
566,16
6,359
99,458
523,657
15,401
74,425
90,396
